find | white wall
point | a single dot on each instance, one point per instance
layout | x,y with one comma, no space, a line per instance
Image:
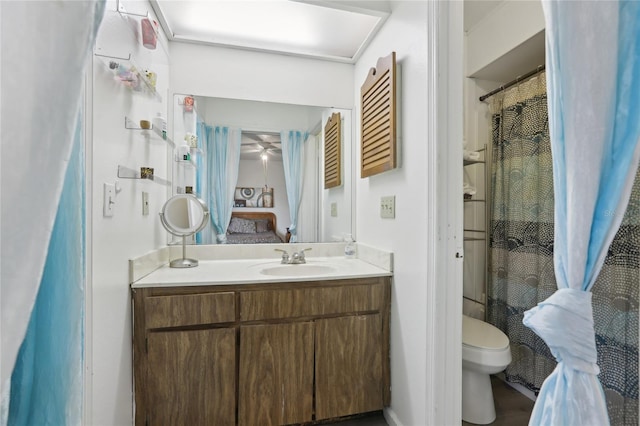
405,32
128,234
242,74
336,228
505,28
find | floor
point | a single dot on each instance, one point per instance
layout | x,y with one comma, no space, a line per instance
372,419
512,409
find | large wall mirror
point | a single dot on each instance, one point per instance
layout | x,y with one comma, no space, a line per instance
260,189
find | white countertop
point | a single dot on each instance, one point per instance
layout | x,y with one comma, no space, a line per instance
251,271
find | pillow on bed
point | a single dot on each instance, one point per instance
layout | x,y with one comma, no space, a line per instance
239,225
263,225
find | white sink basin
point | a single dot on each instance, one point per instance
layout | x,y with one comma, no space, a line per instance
302,270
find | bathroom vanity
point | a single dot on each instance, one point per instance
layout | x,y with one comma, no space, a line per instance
250,348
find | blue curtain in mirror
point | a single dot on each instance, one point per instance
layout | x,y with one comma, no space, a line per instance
201,187
594,105
46,384
293,144
222,153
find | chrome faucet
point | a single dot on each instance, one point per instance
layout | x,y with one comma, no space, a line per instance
296,258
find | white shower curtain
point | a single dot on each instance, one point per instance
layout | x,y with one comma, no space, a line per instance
45,47
593,69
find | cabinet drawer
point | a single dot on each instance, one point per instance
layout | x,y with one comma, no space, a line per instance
190,309
310,301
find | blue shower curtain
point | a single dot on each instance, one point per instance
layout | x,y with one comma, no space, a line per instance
594,105
46,384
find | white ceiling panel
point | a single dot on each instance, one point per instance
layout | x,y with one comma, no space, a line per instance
328,30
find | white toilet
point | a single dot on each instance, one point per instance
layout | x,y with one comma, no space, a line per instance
485,351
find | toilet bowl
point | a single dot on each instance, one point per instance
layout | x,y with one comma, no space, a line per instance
485,351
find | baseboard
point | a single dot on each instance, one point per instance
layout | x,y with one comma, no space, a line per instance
526,392
391,417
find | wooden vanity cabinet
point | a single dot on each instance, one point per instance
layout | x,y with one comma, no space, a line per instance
261,354
184,354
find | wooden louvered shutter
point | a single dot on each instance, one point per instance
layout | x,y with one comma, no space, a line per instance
378,109
332,150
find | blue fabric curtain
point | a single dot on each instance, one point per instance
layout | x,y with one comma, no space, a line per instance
44,127
594,105
222,153
293,144
200,189
46,384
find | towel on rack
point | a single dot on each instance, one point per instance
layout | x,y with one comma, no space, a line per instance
470,155
468,189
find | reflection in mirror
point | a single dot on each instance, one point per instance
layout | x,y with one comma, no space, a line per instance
324,214
183,215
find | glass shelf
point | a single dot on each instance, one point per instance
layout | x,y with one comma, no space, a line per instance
189,162
129,124
130,75
469,162
472,200
145,173
474,239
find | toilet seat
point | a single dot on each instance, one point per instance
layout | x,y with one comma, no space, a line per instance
481,335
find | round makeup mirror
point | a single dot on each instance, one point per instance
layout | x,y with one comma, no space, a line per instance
184,215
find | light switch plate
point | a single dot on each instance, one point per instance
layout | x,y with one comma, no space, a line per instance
334,209
388,207
109,199
145,203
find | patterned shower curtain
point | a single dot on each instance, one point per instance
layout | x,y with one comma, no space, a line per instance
521,272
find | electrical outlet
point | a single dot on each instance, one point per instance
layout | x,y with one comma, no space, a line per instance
388,207
109,199
334,209
145,203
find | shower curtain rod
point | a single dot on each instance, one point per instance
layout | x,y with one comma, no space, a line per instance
513,82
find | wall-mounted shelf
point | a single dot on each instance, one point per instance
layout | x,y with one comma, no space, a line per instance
472,200
129,74
474,239
470,162
182,162
129,124
145,173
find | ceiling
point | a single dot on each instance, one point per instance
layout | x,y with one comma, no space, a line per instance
255,144
331,30
476,10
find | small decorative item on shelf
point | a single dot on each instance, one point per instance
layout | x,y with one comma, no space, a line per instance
467,196
146,173
149,36
145,124
184,153
188,103
188,189
161,125
267,197
125,74
152,77
191,140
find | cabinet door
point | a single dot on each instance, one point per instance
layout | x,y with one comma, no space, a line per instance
191,377
348,365
276,374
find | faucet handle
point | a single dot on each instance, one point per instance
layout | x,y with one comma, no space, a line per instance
285,255
301,253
